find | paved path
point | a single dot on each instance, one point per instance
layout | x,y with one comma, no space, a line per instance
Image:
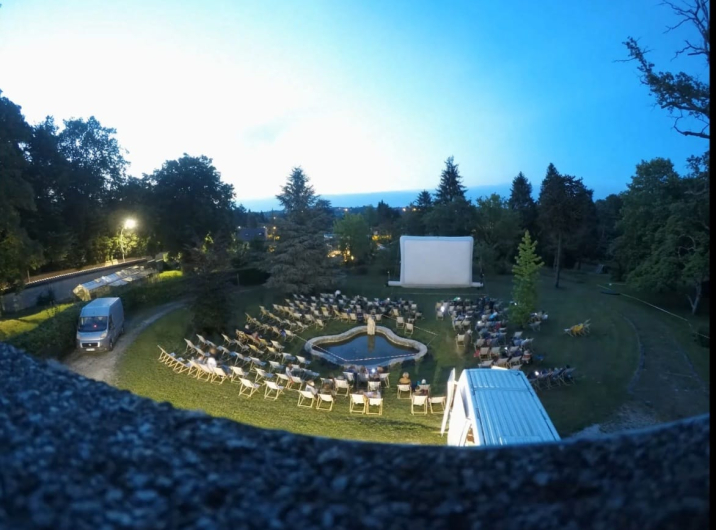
103,366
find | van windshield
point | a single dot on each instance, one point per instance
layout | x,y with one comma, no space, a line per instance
92,324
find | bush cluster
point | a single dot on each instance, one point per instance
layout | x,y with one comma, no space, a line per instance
55,337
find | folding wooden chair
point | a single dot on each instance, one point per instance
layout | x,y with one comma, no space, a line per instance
436,400
358,404
273,390
374,402
404,388
418,401
323,399
248,388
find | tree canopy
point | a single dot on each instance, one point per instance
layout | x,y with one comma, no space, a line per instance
521,201
450,188
682,95
188,201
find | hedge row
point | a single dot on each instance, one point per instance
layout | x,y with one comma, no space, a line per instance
55,337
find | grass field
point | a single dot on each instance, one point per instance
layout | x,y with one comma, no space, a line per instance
605,362
18,324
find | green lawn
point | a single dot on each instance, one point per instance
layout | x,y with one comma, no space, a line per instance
11,327
605,362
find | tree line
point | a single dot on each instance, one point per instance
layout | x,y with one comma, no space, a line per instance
65,193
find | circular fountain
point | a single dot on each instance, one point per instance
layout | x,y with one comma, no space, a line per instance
357,347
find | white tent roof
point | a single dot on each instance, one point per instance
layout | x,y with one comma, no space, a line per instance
122,277
503,408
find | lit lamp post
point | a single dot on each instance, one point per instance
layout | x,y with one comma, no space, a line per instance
129,224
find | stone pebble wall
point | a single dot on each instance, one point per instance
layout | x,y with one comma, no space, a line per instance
75,453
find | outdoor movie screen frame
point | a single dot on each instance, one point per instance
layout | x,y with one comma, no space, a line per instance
434,262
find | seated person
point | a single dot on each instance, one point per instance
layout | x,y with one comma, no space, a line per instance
405,380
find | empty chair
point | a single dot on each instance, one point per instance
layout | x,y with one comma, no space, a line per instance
460,339
439,315
342,384
357,404
190,347
437,400
409,328
302,360
279,347
416,402
374,402
202,340
256,363
486,364
183,366
228,341
262,375
273,390
275,366
219,373
385,379
325,402
374,386
248,388
495,351
378,317
399,322
306,396
236,373
517,335
287,357
402,389
163,355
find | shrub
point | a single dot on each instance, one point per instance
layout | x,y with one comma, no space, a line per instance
161,289
53,338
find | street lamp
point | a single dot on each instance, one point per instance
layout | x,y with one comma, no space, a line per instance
129,224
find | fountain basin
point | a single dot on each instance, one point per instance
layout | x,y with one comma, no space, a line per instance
356,347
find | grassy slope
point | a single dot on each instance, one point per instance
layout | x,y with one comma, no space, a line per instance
11,327
605,361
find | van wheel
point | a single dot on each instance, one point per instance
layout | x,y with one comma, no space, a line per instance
110,347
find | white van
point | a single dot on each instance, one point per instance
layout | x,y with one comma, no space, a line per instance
101,322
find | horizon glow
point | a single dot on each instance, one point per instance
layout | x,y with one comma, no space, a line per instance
365,97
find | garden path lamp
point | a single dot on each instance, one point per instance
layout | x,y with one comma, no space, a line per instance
129,224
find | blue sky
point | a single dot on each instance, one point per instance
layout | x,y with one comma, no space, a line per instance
366,96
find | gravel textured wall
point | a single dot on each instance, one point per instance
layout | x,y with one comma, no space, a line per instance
75,453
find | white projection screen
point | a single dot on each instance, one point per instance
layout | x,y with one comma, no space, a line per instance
434,262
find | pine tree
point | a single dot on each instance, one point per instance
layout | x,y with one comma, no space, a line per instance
524,283
299,263
562,207
450,188
424,201
522,202
297,197
299,260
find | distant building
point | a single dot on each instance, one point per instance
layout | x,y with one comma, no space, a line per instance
249,234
